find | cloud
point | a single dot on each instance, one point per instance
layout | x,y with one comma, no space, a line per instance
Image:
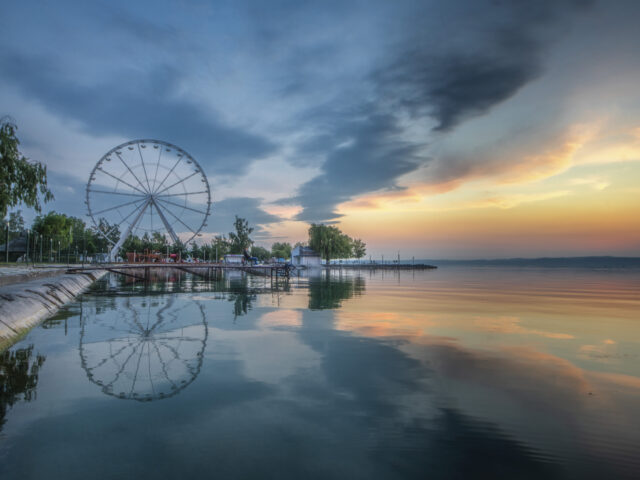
495,54
136,103
374,155
423,82
223,214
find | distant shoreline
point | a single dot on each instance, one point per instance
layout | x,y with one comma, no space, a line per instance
553,262
547,262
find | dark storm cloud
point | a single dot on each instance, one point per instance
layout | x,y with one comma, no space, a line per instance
501,51
369,157
135,103
453,88
488,52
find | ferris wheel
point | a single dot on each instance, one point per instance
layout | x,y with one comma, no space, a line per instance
148,186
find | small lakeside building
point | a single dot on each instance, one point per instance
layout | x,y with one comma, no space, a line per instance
234,258
306,257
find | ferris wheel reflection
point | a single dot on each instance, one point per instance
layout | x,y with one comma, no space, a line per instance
148,348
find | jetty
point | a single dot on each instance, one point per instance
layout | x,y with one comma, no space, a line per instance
380,266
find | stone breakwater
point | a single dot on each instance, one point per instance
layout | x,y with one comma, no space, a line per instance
25,305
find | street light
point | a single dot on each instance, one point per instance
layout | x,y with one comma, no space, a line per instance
50,249
41,242
27,253
6,243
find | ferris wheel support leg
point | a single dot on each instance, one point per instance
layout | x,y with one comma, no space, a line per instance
173,235
127,232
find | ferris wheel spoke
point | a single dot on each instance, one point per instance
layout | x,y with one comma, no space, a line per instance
155,177
124,364
182,206
153,390
151,215
124,219
118,206
184,193
167,175
163,365
144,168
135,375
167,225
123,181
131,172
178,182
178,219
118,193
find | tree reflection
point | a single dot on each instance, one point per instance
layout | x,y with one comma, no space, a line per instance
328,290
18,378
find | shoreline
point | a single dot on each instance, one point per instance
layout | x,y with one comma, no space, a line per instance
24,305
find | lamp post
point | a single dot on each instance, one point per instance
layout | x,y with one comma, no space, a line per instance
6,242
50,248
69,246
27,253
41,248
58,255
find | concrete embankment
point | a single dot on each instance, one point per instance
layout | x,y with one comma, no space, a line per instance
24,305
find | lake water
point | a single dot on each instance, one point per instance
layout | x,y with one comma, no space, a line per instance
458,372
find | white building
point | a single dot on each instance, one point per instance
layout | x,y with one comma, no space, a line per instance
304,256
234,258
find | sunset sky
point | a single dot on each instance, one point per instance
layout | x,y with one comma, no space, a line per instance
440,129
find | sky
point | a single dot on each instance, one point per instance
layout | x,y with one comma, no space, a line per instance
435,129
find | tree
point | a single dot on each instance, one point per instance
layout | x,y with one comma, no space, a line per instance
16,222
56,225
330,242
359,248
281,250
240,240
219,246
260,253
196,251
21,181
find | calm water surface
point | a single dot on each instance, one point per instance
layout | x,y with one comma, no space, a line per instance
455,373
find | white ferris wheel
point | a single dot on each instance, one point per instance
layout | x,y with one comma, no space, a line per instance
148,186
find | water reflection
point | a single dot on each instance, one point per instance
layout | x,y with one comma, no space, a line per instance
471,375
148,348
18,378
330,289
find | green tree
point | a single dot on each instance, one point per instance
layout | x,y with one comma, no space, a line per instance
281,250
21,181
260,253
196,251
219,245
56,226
16,222
180,249
240,239
109,234
159,242
359,248
330,242
132,244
